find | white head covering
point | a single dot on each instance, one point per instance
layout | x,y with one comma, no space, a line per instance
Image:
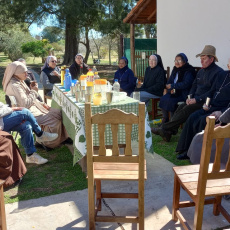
13,68
46,64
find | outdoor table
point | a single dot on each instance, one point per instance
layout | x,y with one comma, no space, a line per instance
73,116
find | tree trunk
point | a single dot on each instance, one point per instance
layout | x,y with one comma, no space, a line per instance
87,44
109,52
71,42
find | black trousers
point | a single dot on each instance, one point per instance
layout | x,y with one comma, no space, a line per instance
180,116
195,124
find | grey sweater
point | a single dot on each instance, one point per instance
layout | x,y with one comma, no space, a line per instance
225,117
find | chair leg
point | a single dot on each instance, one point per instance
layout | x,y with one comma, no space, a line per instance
2,210
98,193
198,217
176,198
91,203
216,210
141,209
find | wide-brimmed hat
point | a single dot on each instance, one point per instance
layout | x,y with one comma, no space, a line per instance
208,50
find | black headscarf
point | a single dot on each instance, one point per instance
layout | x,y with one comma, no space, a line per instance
122,70
160,64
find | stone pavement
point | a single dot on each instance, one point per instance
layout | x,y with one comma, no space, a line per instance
70,210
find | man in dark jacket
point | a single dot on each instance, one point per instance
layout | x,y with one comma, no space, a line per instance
201,89
154,80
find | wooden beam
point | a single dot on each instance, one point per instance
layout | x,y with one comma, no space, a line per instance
132,47
140,9
151,15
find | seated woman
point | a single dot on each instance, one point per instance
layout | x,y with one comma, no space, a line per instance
78,67
194,152
50,74
125,76
154,80
22,120
49,119
12,167
178,86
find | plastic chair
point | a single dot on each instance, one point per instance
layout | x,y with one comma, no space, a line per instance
205,183
2,207
116,167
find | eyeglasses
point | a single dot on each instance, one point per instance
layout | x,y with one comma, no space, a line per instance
178,61
54,61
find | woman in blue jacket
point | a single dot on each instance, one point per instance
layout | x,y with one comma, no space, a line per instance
125,76
178,85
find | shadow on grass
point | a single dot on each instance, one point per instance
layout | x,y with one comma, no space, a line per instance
57,176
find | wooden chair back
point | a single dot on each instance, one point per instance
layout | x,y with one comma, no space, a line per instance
2,207
218,134
114,118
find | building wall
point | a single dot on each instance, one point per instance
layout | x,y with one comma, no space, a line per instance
188,25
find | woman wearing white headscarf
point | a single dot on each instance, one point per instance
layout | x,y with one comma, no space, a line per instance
49,119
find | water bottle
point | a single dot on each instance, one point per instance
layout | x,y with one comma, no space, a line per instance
96,76
116,90
68,80
94,69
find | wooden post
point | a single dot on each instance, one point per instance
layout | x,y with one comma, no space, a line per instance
121,46
132,47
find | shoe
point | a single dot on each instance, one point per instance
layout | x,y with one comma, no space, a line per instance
68,141
36,159
226,197
182,156
166,135
47,137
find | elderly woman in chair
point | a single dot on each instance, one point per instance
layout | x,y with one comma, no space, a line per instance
178,86
49,119
50,74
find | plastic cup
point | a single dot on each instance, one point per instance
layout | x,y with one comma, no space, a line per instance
109,97
136,95
97,99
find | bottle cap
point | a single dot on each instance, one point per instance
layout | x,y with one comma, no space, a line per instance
116,80
96,72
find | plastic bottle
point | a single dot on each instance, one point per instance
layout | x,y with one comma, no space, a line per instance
90,75
68,80
116,90
62,75
96,76
94,69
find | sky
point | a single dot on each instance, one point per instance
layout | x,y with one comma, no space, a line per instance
35,29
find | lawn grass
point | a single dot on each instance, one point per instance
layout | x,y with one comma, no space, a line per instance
57,176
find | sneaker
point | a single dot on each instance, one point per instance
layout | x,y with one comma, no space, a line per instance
47,137
36,159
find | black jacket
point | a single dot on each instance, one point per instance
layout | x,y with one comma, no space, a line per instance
203,83
154,81
75,70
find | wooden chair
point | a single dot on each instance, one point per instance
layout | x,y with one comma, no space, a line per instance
46,96
205,183
2,207
116,167
156,112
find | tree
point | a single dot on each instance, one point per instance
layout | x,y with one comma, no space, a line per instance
53,33
37,48
12,40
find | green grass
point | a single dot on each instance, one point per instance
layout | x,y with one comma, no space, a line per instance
57,176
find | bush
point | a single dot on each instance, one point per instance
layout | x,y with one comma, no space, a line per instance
12,41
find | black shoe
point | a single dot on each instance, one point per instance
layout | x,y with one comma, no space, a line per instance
166,135
183,156
41,146
68,141
156,130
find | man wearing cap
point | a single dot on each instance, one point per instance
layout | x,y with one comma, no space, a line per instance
78,67
201,89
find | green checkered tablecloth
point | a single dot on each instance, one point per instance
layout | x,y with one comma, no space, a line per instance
73,114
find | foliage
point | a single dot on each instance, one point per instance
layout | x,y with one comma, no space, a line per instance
12,40
38,48
150,30
53,33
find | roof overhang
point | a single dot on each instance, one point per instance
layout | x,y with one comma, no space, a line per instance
143,13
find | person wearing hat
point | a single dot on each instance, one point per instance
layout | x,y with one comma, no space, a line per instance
78,67
178,86
220,102
154,80
201,89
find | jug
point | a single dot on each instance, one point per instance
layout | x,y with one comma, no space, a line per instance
68,80
100,86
